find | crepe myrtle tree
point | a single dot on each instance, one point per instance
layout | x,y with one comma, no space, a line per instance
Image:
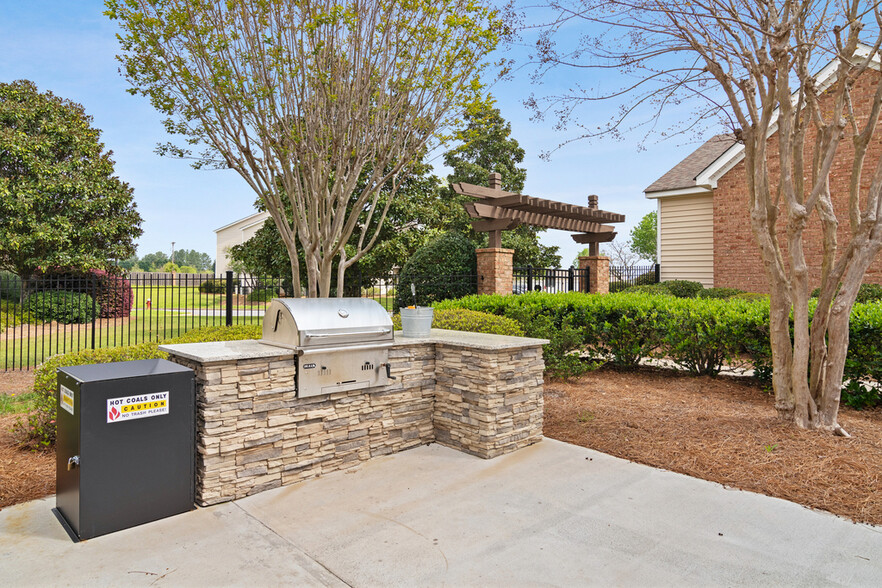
754,67
300,97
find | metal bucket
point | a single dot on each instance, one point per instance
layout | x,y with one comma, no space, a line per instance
416,322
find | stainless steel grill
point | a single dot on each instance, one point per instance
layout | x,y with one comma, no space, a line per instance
341,343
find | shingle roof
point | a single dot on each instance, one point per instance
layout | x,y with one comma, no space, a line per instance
684,173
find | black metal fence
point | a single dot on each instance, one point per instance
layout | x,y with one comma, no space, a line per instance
529,279
621,277
48,315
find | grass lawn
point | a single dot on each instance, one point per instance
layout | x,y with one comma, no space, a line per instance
174,297
17,403
11,314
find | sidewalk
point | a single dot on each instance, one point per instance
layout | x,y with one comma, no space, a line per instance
552,514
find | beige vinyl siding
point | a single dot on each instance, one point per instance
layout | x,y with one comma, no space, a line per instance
686,238
236,234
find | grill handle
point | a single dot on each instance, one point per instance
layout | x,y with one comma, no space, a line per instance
350,334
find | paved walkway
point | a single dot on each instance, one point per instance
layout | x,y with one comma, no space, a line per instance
553,514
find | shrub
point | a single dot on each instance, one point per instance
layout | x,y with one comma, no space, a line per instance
701,335
60,306
459,319
751,296
10,286
618,286
111,292
683,288
216,286
719,292
655,289
263,294
645,279
704,335
209,334
866,293
442,269
624,328
864,361
38,431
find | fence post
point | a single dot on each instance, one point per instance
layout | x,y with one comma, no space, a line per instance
229,289
94,295
657,273
571,279
529,278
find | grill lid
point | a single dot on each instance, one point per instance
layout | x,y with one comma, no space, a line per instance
322,322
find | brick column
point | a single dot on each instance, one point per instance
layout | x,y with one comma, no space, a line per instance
495,270
598,273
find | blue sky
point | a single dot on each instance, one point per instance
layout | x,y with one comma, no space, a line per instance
69,47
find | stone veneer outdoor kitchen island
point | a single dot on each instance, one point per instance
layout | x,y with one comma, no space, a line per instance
481,394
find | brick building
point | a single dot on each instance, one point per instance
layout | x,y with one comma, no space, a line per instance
704,231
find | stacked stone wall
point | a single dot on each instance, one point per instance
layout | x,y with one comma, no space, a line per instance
253,433
488,403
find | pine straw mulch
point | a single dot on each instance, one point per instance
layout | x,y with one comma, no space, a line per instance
724,430
24,475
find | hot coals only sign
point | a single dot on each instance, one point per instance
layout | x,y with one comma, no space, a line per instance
137,407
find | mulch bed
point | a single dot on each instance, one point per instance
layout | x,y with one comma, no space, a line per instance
724,430
24,475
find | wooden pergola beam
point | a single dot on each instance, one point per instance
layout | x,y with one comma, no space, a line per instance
585,238
513,201
498,224
486,211
479,191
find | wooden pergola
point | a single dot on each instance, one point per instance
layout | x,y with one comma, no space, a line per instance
497,210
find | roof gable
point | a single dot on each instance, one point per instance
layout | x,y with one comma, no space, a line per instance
684,174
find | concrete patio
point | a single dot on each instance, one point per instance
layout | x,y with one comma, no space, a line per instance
552,514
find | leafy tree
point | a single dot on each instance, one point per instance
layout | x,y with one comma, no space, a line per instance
129,264
60,204
170,267
644,237
196,259
300,98
751,66
487,146
153,262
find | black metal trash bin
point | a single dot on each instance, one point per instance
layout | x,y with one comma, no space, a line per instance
125,449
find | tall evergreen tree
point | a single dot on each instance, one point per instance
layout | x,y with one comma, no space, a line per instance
487,146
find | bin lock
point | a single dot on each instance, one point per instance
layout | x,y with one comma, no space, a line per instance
73,462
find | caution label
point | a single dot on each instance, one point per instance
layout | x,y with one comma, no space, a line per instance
137,407
66,399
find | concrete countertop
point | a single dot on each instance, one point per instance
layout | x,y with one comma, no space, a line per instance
474,340
222,351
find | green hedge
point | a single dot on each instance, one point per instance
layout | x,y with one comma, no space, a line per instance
63,307
699,334
39,429
216,285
